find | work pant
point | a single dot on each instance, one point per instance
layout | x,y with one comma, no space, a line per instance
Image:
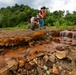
41,22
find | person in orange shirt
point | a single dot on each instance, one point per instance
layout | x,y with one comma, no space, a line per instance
41,17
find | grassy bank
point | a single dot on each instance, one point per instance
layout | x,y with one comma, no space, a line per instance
63,27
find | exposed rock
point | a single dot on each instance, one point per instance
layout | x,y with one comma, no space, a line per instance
61,48
70,34
21,63
2,61
69,58
55,70
60,68
47,72
47,41
61,54
35,60
45,67
32,63
73,64
50,70
31,44
56,40
55,33
72,73
37,34
72,55
52,58
73,44
66,66
28,66
12,64
71,49
39,63
40,71
46,58
4,71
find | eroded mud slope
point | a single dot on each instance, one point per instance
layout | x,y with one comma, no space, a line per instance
40,52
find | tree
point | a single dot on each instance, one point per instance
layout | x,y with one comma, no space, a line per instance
5,17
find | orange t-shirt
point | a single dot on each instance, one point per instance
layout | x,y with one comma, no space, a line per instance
42,13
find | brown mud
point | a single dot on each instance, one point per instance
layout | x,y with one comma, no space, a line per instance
39,52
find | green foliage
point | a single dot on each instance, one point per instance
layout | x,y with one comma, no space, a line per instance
19,26
22,25
17,17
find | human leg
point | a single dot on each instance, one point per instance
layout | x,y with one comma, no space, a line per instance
41,22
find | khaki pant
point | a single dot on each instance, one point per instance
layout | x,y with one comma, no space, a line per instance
33,26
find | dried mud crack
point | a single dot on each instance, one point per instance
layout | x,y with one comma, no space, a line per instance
40,52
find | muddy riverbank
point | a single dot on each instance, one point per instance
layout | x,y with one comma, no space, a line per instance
40,52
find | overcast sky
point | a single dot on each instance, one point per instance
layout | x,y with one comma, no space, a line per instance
37,4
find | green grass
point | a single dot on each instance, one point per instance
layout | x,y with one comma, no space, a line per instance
16,27
63,27
56,27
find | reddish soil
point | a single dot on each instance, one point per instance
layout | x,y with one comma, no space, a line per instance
28,45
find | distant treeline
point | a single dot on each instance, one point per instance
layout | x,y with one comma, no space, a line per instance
19,15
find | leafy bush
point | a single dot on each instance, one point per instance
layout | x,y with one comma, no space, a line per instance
22,25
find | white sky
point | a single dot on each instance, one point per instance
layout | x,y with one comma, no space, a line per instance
37,4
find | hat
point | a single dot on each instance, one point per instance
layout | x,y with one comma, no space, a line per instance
43,7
